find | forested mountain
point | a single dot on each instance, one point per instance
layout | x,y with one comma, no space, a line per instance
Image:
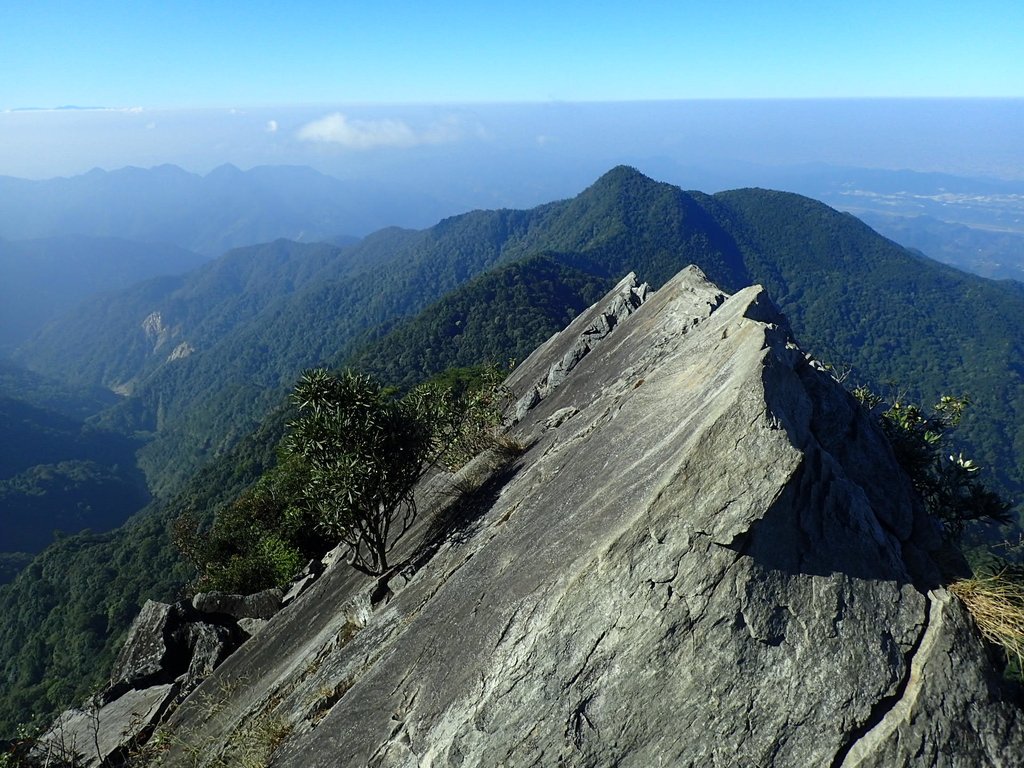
44,278
499,317
200,354
50,394
45,610
56,474
208,214
255,318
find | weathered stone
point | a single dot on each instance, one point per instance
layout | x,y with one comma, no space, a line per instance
209,645
301,582
261,605
559,417
715,562
582,335
92,738
251,626
145,650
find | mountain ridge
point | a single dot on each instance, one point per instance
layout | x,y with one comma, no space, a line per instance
209,214
886,330
706,554
339,302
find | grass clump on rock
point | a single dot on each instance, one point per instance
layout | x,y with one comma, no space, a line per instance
997,604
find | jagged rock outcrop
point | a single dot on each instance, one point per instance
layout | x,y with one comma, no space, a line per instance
706,557
103,736
261,605
169,651
623,301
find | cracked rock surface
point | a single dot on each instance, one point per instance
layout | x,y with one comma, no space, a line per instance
707,557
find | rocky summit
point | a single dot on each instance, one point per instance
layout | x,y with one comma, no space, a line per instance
705,555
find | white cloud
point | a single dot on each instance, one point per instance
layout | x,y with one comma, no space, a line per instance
370,134
271,126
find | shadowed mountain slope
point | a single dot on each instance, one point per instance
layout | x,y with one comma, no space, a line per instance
44,279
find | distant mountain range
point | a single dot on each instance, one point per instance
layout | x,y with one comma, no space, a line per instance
989,253
202,358
203,355
208,214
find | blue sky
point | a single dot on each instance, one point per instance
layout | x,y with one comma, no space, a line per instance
254,53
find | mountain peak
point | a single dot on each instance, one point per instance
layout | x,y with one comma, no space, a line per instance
620,175
227,170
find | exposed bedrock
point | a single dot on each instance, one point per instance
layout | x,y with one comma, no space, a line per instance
707,557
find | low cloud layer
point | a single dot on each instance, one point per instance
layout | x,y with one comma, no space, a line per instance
350,133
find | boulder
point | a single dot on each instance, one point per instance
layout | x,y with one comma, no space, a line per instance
146,649
208,645
261,605
95,737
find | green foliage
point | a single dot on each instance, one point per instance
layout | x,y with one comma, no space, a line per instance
256,542
504,313
29,387
345,474
58,474
363,450
464,408
948,483
69,497
64,617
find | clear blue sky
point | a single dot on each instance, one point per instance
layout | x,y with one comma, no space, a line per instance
225,53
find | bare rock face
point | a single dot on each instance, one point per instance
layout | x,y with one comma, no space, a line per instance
103,736
581,337
169,651
145,652
261,605
707,557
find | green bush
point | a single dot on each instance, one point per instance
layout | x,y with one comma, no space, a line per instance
363,450
346,473
947,482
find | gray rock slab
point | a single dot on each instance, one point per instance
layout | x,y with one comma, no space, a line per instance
90,738
145,649
251,626
261,605
714,562
209,645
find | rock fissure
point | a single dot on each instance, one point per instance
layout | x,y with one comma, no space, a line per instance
586,661
882,719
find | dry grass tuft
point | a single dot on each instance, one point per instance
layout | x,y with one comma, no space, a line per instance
997,605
